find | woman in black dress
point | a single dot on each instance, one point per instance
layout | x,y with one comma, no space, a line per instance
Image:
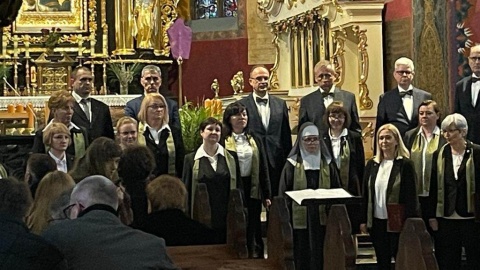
218,168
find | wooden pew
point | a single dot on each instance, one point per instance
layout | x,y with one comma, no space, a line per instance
415,247
339,249
233,254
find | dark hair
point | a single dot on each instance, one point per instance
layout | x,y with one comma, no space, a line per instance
337,107
136,162
75,71
38,165
232,110
429,102
209,121
15,198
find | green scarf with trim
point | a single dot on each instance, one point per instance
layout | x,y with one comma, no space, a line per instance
470,175
344,166
416,155
255,174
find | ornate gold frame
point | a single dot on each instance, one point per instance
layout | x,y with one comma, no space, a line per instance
73,21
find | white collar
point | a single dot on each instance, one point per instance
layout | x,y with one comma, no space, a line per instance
72,125
201,152
344,133
436,131
331,89
164,126
264,97
77,97
58,160
238,136
400,89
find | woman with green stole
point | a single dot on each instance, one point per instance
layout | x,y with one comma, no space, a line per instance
422,142
163,140
218,169
253,171
389,194
61,105
308,166
454,193
346,148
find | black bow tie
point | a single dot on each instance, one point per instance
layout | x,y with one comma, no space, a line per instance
325,94
409,92
474,80
261,100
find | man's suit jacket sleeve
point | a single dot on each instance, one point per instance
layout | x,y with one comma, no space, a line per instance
302,114
176,116
380,114
458,92
129,110
108,132
38,146
286,132
355,125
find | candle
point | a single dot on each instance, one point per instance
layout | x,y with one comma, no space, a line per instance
31,117
20,108
10,108
33,74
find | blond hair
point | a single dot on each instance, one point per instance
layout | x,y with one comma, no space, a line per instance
401,150
142,114
166,192
55,128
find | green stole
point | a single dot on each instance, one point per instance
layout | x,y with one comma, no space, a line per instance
3,172
470,174
299,213
255,174
170,147
344,165
393,193
232,169
416,154
78,144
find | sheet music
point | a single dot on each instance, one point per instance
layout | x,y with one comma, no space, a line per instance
321,193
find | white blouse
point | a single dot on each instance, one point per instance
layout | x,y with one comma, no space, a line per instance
381,184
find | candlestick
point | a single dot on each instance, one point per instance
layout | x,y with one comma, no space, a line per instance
31,117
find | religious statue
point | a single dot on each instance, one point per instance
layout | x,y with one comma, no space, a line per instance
215,87
125,28
144,18
237,83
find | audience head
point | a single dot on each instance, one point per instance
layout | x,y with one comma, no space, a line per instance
325,75
136,162
404,71
428,114
454,128
61,105
127,131
101,158
15,198
154,108
259,76
166,192
95,189
38,165
210,130
235,119
50,188
336,117
82,81
151,79
57,136
474,60
389,142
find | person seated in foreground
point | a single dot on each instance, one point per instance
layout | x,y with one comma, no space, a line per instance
20,249
167,198
95,238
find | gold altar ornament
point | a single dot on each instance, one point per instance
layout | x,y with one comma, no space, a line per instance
237,83
215,87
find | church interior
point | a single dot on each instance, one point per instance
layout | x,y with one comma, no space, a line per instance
206,49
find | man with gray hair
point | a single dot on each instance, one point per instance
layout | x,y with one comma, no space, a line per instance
95,238
399,106
151,81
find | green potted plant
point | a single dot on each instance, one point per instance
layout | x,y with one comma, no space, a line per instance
123,73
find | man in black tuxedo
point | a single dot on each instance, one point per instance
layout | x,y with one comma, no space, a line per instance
399,106
466,96
313,105
151,81
89,113
268,119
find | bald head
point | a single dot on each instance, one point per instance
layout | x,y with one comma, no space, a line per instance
95,189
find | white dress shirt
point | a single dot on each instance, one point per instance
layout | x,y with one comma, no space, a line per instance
61,162
244,153
156,133
263,109
328,99
337,145
407,101
78,99
213,159
381,184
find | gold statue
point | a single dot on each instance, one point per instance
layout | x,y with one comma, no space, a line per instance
125,28
237,83
144,18
215,87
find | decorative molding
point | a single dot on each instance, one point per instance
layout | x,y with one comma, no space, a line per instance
273,80
366,102
338,57
40,101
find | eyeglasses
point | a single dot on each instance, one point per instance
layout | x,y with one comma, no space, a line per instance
325,76
68,210
337,116
474,58
450,131
156,106
261,78
311,139
403,72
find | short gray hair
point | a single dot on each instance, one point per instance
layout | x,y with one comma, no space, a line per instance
96,189
151,69
405,61
457,119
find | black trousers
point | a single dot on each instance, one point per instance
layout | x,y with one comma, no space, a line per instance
254,228
452,234
385,243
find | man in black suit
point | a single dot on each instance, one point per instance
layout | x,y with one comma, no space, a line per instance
313,105
151,81
466,96
89,113
95,238
399,106
268,119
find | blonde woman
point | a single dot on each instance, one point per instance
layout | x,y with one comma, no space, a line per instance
50,188
127,131
56,138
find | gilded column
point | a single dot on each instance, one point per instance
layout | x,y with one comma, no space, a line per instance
124,27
